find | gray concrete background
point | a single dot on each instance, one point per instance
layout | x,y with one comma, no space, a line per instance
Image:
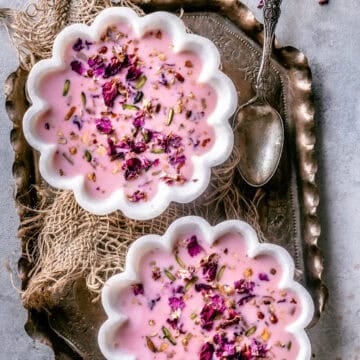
330,37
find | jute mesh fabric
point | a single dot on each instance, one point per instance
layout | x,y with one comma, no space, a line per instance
67,242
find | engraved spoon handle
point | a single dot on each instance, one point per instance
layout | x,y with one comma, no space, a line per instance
271,16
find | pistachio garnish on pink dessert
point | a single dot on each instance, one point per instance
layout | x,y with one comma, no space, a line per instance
133,111
206,293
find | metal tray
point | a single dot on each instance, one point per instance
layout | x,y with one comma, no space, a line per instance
287,205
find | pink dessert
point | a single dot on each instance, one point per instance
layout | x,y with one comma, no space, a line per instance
208,302
127,113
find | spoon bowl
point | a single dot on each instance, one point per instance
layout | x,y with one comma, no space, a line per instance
261,138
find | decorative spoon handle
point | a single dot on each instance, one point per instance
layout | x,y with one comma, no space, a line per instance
271,16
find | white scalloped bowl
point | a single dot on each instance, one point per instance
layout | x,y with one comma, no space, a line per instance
108,339
218,119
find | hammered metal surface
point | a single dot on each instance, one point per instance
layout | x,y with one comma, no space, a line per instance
287,205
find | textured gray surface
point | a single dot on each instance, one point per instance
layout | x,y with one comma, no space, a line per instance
329,36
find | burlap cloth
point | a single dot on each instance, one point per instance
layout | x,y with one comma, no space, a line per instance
67,242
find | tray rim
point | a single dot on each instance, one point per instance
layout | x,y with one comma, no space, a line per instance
295,63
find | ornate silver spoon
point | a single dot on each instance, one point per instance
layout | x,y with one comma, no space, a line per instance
260,126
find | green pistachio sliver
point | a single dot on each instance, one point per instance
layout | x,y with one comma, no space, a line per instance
146,135
288,346
130,107
151,345
167,335
170,116
157,151
193,316
141,82
170,275
220,273
88,155
190,283
66,87
179,260
250,331
83,98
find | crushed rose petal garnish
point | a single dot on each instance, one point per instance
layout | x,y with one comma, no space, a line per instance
134,106
210,303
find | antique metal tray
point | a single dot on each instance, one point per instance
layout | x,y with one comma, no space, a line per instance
288,206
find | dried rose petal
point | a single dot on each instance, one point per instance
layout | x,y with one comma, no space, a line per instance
218,303
203,287
258,349
137,196
261,4
207,351
193,247
156,273
109,92
173,323
96,63
114,151
207,317
176,303
210,265
133,73
139,120
77,66
243,286
153,302
133,168
172,179
174,141
177,160
78,45
76,120
139,147
138,289
263,277
104,125
113,68
163,80
147,164
246,299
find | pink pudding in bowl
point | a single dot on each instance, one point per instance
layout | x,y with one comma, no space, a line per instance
127,113
207,301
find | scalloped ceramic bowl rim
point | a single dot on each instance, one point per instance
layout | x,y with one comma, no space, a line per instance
219,119
186,225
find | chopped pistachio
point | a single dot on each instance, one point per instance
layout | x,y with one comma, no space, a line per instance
179,260
66,87
220,273
130,107
87,155
190,283
167,335
250,331
170,116
141,82
83,98
170,275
